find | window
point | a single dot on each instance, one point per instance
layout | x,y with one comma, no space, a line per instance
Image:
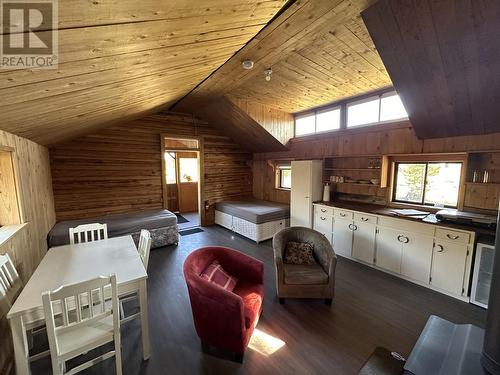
285,177
328,120
376,109
188,169
363,112
170,170
391,107
427,183
305,124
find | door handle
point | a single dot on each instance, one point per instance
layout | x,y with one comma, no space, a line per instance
452,237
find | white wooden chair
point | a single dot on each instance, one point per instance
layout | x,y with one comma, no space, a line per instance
144,249
88,232
93,323
9,279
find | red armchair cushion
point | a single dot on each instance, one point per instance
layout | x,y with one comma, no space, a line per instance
251,294
217,275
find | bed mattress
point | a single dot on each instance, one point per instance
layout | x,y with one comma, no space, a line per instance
255,211
118,224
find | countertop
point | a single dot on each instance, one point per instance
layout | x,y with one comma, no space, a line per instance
484,235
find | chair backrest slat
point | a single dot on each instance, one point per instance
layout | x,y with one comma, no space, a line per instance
88,233
10,281
144,247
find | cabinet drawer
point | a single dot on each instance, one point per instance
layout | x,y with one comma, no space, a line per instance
406,225
343,214
365,218
323,210
323,222
452,235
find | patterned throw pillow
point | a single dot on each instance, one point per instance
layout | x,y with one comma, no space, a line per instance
217,275
299,253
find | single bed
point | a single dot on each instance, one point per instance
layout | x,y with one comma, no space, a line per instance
256,219
161,223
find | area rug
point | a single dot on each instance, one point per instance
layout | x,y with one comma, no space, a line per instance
187,232
181,219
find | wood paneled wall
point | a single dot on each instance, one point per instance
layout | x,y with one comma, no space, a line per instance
279,123
28,246
396,138
119,169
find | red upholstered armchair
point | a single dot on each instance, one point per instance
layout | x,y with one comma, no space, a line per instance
224,319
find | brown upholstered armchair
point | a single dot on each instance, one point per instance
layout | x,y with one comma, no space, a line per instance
305,281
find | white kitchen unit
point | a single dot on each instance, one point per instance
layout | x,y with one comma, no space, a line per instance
307,187
483,270
427,254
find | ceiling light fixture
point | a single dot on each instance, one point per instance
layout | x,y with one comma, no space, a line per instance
247,64
267,74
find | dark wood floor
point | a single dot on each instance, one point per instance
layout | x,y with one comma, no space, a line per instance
371,309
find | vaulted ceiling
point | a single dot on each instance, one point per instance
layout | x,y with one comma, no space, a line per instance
319,50
119,60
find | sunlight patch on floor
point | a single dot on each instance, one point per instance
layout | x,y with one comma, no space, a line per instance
264,343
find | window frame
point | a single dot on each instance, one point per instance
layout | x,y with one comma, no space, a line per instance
426,163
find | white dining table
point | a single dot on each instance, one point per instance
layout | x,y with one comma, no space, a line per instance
70,264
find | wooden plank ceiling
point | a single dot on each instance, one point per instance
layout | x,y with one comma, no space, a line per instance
319,50
444,59
120,60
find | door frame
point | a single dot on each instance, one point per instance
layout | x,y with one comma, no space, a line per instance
201,170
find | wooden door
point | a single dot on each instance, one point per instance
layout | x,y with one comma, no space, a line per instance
342,237
417,256
363,243
448,266
301,200
388,249
188,176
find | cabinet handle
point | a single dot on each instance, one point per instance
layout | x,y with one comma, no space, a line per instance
364,219
342,214
440,247
351,227
322,218
355,227
399,238
323,210
403,239
406,239
452,237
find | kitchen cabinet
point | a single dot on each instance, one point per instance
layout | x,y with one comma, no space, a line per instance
448,266
363,241
389,249
342,236
417,256
307,187
429,255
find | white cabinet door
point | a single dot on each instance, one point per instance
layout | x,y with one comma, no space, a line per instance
417,256
363,243
342,237
389,249
448,266
300,198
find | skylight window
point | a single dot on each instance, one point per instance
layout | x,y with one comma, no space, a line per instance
363,112
305,124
